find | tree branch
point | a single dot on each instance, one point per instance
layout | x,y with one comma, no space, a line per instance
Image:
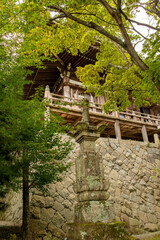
118,66
90,25
143,24
127,45
152,8
92,14
82,13
123,54
133,28
119,5
108,7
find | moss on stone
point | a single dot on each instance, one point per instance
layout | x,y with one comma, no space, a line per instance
98,231
10,233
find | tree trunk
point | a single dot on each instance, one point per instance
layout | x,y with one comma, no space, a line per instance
25,223
117,15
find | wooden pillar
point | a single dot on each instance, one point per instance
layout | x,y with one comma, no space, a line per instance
117,130
116,114
92,103
47,93
77,94
72,95
66,92
66,88
48,96
156,138
144,134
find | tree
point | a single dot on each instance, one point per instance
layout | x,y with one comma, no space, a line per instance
121,74
40,154
32,31
31,147
11,87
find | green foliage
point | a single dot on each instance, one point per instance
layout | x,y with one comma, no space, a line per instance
98,231
32,149
25,137
116,74
13,237
155,238
10,233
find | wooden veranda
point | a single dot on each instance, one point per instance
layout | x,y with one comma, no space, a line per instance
126,125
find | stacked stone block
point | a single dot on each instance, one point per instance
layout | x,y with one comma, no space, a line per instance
134,189
50,214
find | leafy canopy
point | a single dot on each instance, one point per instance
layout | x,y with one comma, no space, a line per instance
121,74
26,139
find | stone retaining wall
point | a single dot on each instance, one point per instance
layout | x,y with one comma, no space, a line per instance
11,208
134,183
134,190
50,214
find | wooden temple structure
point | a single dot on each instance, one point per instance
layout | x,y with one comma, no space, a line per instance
63,86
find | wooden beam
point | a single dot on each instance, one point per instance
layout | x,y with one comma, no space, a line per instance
111,120
144,134
117,129
77,120
137,124
60,60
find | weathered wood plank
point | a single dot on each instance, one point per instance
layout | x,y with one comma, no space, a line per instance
156,138
117,130
144,133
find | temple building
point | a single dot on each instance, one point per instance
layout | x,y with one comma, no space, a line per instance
112,181
62,84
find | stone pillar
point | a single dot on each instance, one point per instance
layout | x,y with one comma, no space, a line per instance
93,214
90,186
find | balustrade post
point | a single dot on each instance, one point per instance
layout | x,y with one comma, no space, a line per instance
116,114
127,116
134,117
149,118
72,93
77,94
47,93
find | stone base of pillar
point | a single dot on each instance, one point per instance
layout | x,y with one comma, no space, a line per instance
94,211
98,231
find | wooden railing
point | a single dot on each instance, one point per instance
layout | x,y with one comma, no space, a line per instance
73,103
